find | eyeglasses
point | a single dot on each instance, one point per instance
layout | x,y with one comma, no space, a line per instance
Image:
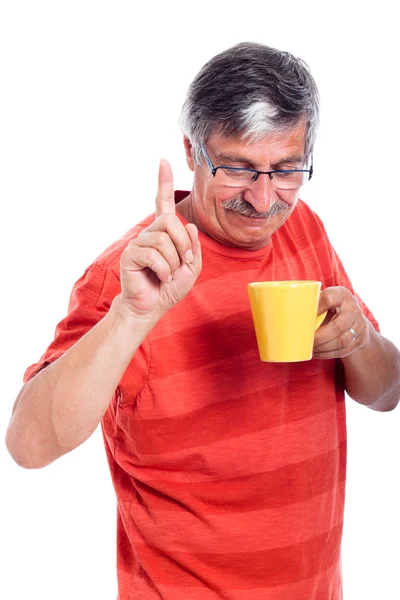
281,179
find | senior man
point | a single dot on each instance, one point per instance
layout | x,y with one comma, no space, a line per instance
229,472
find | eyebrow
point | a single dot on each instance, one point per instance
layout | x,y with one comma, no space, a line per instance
291,160
227,158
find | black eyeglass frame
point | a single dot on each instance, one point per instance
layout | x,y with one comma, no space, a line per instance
256,173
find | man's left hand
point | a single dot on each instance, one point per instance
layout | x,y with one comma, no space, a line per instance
345,328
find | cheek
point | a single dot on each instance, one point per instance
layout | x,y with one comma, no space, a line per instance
214,195
225,193
288,198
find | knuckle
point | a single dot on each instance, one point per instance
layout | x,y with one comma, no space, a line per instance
167,218
328,296
162,240
151,256
128,250
132,244
342,291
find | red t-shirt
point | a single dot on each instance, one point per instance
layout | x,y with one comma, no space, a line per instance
229,472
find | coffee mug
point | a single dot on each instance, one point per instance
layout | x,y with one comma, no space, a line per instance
285,318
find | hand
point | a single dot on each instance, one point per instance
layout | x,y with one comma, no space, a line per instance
334,339
161,265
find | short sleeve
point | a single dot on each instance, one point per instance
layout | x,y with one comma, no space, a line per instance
90,300
341,278
338,275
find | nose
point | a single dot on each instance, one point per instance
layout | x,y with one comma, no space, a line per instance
261,194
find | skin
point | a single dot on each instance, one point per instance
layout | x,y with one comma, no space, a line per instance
61,406
372,363
204,205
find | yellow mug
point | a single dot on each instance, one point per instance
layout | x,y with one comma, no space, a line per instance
285,318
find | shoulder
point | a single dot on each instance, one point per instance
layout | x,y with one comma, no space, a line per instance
100,282
304,217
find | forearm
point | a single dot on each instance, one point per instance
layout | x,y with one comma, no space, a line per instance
372,374
62,405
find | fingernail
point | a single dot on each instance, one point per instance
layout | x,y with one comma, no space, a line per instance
188,256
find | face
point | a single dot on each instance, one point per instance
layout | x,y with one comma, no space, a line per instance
244,217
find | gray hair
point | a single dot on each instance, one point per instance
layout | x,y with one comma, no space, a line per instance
249,91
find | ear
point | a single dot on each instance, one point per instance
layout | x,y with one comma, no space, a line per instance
188,152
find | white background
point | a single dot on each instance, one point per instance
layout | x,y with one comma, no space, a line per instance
90,97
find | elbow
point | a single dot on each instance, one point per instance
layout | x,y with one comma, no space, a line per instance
25,462
386,407
383,404
23,456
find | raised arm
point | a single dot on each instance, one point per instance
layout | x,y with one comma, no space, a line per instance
61,406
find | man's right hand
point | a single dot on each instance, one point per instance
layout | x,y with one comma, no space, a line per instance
61,406
161,265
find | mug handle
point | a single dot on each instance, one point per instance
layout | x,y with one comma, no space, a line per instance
320,319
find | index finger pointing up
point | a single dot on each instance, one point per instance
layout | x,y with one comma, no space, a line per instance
165,200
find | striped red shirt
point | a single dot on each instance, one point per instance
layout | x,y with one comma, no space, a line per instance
229,472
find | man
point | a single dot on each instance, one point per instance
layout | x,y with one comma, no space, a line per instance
229,472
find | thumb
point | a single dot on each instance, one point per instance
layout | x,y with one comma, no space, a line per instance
196,246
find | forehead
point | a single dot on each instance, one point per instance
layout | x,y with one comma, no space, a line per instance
272,147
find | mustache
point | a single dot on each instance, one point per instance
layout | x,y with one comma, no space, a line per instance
240,205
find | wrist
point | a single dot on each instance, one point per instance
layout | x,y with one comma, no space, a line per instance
369,336
123,317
